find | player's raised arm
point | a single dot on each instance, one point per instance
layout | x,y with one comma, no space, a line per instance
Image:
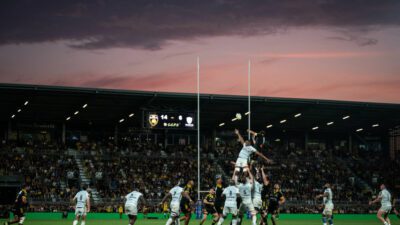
239,136
235,179
264,177
253,135
263,157
251,176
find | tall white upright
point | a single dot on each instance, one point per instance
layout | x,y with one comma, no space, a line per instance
249,99
198,128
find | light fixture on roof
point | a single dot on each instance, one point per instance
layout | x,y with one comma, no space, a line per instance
315,128
130,115
330,123
247,113
76,113
277,140
121,120
345,117
68,118
283,121
84,106
13,116
234,119
26,102
269,126
375,125
297,115
360,129
19,110
221,124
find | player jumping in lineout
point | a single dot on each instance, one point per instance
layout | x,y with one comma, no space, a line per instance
245,153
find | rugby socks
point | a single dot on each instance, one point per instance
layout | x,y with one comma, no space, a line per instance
330,220
221,220
83,223
324,220
265,220
254,219
75,222
169,221
234,221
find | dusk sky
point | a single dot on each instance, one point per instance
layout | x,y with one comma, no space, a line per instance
325,49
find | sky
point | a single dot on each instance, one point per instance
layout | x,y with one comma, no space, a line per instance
323,49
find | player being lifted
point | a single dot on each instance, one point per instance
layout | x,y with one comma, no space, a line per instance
131,205
176,194
327,196
386,206
209,207
245,186
245,153
231,194
185,204
20,205
82,205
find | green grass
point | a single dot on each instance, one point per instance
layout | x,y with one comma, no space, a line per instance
395,221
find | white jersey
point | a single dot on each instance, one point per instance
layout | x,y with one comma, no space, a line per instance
231,196
245,192
81,198
133,198
257,190
328,199
176,194
246,152
386,197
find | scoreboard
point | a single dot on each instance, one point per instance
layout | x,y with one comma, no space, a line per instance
169,120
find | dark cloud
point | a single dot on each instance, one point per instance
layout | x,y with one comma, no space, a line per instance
361,41
151,24
358,36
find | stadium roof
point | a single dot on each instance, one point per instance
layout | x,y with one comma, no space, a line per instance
107,107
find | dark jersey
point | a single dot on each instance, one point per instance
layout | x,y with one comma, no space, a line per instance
185,204
219,199
19,201
274,197
211,199
259,141
189,189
